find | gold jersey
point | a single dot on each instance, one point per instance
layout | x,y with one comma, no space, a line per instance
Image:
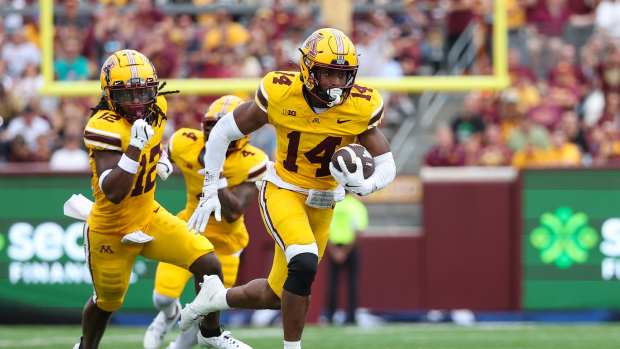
248,164
306,140
108,131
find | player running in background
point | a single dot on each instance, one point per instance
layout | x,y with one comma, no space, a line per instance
244,165
123,138
314,112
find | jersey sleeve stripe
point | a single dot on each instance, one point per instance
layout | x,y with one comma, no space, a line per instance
100,138
102,145
101,132
254,175
261,98
376,117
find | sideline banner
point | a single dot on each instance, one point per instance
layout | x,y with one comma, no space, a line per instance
42,265
571,239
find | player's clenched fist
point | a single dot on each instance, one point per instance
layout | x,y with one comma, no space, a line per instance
141,133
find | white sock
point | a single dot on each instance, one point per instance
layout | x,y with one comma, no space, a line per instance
165,304
292,345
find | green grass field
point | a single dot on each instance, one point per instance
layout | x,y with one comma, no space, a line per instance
512,336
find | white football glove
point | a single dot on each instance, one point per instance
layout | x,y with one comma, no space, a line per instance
209,203
221,183
338,175
141,133
352,181
164,166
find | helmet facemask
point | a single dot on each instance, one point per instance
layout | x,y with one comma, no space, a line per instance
334,95
134,100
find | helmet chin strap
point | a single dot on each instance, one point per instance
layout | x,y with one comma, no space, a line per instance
336,96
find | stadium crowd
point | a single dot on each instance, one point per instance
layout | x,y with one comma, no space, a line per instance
215,44
563,106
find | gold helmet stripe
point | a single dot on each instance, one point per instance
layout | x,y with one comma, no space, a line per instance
339,42
226,104
131,60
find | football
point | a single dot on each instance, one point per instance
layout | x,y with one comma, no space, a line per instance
349,153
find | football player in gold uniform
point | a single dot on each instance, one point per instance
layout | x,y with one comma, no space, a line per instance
123,138
244,165
314,111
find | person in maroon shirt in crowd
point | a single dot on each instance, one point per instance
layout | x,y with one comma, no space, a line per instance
104,21
494,151
612,110
566,73
549,111
549,17
446,152
565,88
186,111
146,14
490,107
459,16
71,16
580,22
162,53
144,18
609,70
516,69
72,21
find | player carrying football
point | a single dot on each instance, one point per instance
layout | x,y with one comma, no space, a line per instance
314,112
123,138
244,165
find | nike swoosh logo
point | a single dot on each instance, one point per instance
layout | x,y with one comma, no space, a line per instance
342,121
157,209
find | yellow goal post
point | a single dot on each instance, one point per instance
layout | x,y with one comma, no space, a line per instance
497,81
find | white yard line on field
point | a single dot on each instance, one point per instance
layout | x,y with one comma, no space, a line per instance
121,338
52,340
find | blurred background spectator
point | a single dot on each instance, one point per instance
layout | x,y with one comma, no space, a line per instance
563,107
350,219
70,157
446,152
70,65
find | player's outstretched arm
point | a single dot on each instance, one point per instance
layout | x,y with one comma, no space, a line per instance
243,120
116,170
236,199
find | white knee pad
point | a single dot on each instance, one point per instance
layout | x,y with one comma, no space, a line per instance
294,250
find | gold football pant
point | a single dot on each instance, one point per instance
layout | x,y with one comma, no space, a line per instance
111,262
290,222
